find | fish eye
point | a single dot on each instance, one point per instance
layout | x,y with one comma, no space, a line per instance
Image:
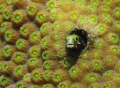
76,38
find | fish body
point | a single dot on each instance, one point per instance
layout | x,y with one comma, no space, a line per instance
76,41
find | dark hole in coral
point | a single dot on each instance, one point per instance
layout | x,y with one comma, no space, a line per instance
75,46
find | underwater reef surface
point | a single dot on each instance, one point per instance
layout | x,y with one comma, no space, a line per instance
33,47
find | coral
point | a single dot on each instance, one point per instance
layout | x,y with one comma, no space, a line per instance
64,84
8,50
76,73
5,81
34,38
19,72
33,8
37,76
34,51
19,58
22,45
33,48
4,27
8,67
11,36
19,17
7,12
34,63
48,75
59,75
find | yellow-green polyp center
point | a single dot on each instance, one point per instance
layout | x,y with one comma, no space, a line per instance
8,35
24,31
6,51
32,61
74,71
17,16
34,36
92,78
5,67
4,81
96,64
31,9
18,56
57,77
18,70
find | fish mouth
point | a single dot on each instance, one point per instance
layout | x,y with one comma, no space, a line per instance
70,45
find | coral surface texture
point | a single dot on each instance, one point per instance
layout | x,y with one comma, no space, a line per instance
34,36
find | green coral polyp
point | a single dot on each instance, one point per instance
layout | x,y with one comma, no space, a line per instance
19,85
17,17
92,77
107,18
107,2
117,77
73,71
47,64
94,2
19,58
82,19
47,75
117,23
57,77
6,51
9,2
45,55
117,12
114,38
105,8
44,42
18,70
3,27
115,49
34,52
92,8
93,19
102,29
53,14
74,15
65,63
99,43
31,10
27,77
7,14
61,15
50,4
61,54
34,36
41,17
36,76
44,27
8,35
62,85
33,61
57,45
69,25
97,65
20,43
56,25
4,81
2,6
5,67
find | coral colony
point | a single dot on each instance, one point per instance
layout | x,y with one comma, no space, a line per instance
59,44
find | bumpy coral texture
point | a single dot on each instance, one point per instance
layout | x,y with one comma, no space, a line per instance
32,43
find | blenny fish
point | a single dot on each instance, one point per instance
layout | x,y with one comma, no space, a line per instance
76,41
